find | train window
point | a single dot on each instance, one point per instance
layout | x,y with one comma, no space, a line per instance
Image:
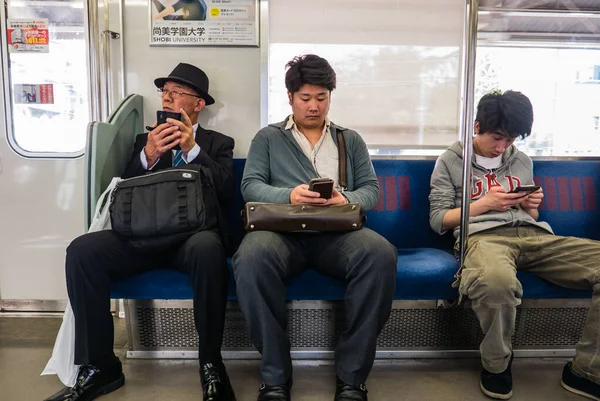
562,87
397,65
49,90
549,51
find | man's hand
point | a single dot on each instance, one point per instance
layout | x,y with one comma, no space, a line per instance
160,140
301,194
186,128
533,200
336,198
499,200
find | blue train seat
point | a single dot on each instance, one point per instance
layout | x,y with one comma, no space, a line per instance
426,264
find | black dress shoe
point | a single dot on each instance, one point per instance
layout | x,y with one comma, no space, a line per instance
275,393
91,383
215,383
346,392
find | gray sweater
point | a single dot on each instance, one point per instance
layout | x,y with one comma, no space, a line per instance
446,189
276,164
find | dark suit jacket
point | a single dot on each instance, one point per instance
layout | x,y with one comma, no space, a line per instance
216,153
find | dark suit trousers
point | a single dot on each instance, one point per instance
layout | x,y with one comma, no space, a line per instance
96,260
363,259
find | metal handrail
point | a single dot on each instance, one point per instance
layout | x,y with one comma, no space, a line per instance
107,35
466,122
95,79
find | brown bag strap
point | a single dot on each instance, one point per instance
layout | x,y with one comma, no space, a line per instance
343,178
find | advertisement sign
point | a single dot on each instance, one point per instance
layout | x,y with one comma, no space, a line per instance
204,22
28,35
34,93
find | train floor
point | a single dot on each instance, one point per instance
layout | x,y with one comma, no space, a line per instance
26,344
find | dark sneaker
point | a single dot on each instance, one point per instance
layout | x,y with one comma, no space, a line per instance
577,384
497,385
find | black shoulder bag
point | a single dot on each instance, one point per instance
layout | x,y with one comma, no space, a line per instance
159,210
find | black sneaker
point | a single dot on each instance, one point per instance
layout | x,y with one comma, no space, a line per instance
577,384
497,385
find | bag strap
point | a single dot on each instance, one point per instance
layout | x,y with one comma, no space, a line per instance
100,205
127,194
343,178
182,209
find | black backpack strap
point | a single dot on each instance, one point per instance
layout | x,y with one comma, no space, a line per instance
127,197
343,166
182,207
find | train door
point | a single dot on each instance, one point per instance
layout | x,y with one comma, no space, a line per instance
51,89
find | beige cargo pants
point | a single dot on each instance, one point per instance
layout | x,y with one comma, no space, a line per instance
489,280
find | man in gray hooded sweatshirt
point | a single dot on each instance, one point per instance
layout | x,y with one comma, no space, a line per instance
505,236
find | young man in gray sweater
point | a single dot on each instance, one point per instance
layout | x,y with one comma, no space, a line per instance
283,158
505,236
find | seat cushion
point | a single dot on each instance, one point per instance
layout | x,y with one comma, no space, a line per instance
422,273
537,288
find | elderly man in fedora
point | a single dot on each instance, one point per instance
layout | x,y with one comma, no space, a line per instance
95,260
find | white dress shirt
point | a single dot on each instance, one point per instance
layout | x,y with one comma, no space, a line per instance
323,156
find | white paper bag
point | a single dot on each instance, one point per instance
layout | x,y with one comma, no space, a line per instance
61,362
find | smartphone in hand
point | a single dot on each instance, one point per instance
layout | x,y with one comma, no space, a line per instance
161,118
323,186
525,189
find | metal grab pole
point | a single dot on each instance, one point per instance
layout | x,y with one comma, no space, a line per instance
95,80
107,72
466,122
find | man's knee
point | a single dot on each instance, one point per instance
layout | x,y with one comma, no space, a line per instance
492,286
255,256
205,243
374,255
81,250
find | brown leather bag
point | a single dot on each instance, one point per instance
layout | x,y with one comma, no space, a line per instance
286,218
280,217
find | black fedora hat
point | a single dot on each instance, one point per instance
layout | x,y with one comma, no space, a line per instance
191,76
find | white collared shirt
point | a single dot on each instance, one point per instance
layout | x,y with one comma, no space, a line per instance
324,155
191,155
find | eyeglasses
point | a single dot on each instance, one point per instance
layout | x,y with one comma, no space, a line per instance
173,93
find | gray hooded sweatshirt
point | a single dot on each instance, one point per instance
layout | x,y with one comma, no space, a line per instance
446,189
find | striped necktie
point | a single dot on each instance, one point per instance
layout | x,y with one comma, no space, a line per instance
178,158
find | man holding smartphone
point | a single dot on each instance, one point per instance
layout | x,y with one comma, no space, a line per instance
97,259
505,236
282,160
182,140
